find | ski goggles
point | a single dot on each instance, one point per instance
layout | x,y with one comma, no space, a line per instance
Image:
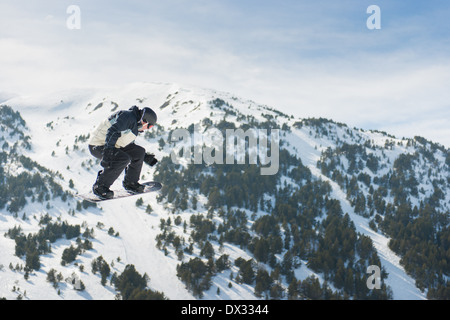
146,125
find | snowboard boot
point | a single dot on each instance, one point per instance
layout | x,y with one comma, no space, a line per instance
133,187
102,191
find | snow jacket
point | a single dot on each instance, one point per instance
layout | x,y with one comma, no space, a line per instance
118,131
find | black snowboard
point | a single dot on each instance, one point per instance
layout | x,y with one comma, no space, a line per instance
150,186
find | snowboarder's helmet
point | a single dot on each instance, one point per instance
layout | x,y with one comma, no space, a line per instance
149,116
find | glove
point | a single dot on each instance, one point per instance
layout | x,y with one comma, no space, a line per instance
150,159
109,156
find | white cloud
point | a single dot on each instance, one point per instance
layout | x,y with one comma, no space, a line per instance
304,59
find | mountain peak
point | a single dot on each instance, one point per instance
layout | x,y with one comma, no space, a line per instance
343,200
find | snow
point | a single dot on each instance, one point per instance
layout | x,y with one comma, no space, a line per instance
403,286
54,122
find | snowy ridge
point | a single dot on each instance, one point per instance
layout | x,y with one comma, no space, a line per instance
59,125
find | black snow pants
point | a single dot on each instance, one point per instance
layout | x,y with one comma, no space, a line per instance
129,158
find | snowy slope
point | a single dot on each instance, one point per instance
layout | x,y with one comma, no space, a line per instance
403,286
57,124
310,149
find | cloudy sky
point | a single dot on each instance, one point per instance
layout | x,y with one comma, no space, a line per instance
305,58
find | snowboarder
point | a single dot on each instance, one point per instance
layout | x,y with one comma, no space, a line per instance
113,143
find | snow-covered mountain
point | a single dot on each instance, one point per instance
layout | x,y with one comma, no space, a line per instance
342,200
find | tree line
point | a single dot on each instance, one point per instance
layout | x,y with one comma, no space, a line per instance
298,221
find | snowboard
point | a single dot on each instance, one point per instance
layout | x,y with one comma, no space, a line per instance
150,186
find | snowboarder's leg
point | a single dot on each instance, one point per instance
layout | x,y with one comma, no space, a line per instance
112,172
108,175
133,170
101,189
